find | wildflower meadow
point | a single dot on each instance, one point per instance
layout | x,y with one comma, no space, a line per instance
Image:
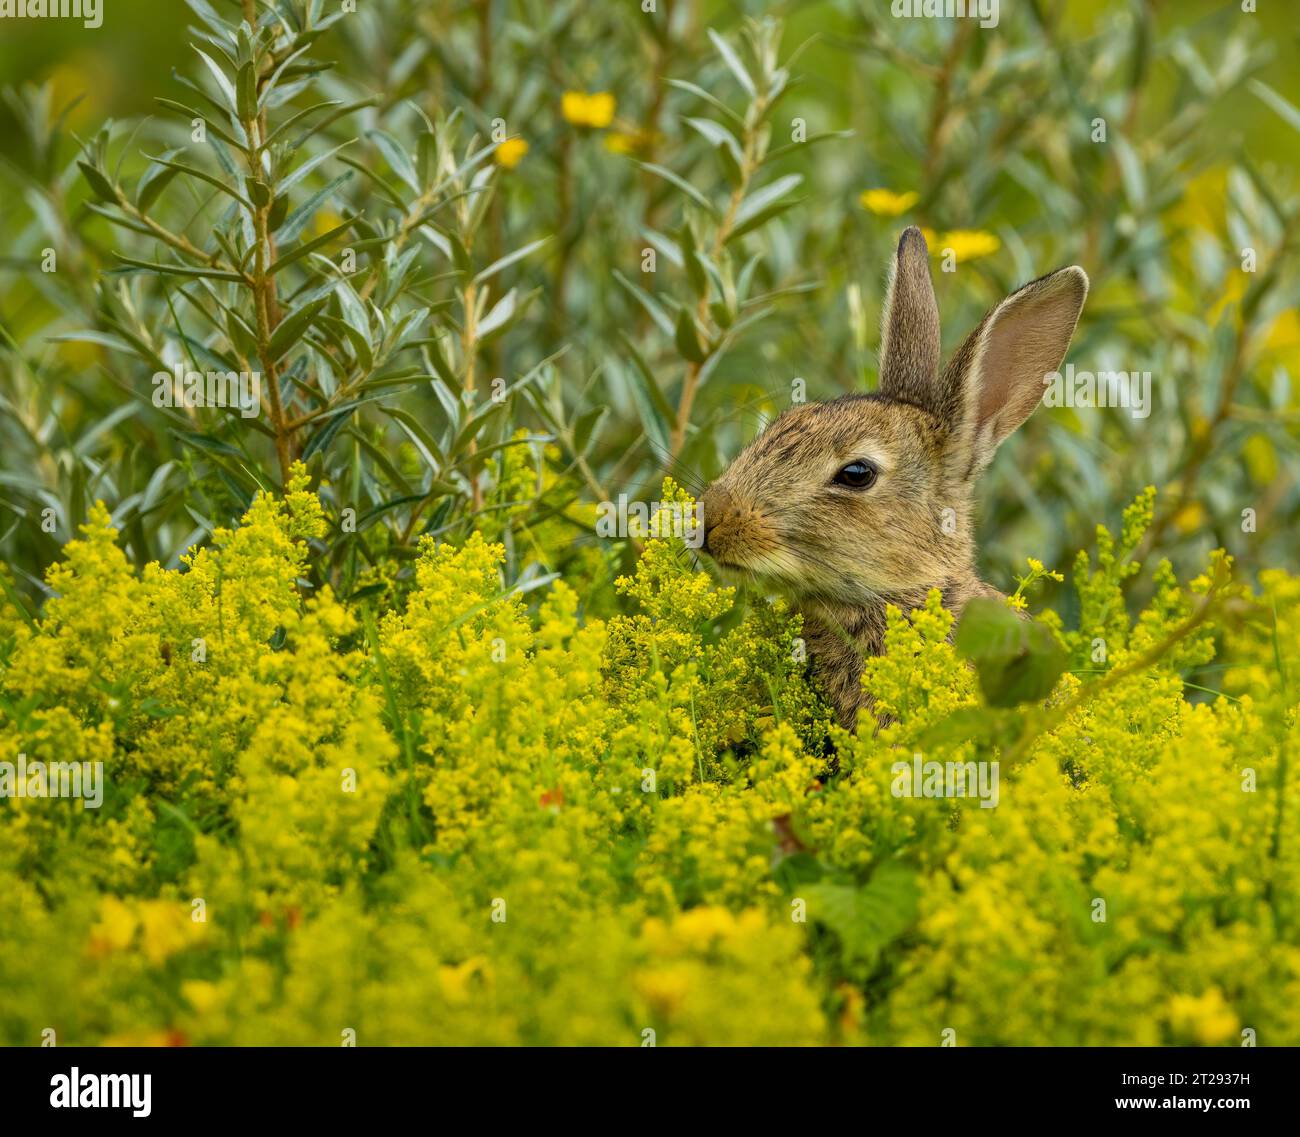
351,692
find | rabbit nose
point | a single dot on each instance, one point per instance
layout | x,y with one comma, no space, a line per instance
716,505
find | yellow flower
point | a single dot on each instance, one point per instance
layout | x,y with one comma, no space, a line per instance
1207,1018
664,988
595,110
116,927
167,928
511,152
200,994
623,142
1190,518
78,354
456,978
966,244
1261,458
324,221
887,203
701,926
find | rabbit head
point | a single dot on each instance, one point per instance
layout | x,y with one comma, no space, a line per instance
869,496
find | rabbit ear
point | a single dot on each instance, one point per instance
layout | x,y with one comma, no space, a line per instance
909,339
998,373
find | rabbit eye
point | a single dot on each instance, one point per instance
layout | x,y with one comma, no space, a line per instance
857,476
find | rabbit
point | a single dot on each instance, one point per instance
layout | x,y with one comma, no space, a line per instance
851,505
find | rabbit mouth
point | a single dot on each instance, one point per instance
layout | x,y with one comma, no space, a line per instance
762,567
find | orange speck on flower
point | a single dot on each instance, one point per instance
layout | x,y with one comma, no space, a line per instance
168,1036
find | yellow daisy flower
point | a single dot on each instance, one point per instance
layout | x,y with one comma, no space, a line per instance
511,152
966,244
594,110
887,203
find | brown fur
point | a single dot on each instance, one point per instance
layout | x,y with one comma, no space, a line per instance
777,517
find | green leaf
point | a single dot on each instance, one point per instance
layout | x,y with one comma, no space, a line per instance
701,93
732,60
246,91
811,140
207,442
279,210
397,158
693,262
360,344
241,335
866,919
426,156
310,247
204,176
1287,110
98,182
1017,660
683,185
509,259
113,343
474,426
687,338
735,174
259,193
760,219
297,221
325,435
227,89
419,435
1131,171
760,200
584,428
153,181
182,110
717,136
653,308
290,330
180,270
798,870
501,313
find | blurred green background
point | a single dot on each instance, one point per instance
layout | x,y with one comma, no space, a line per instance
987,132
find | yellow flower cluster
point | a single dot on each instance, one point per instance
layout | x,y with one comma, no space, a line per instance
480,816
595,110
